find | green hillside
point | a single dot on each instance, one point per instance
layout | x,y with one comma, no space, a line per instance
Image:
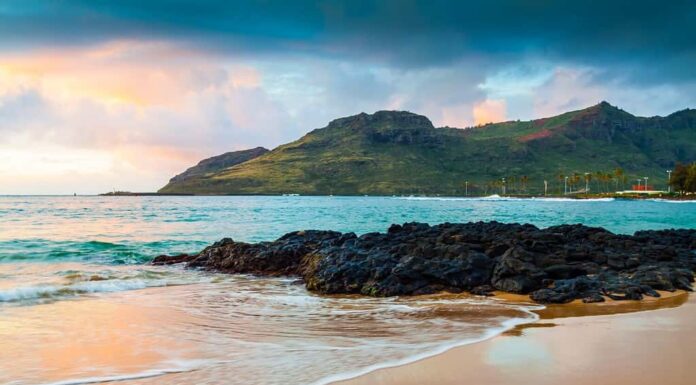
395,152
214,164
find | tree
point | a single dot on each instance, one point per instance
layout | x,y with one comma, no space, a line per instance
619,173
575,179
679,177
524,179
690,182
598,178
607,181
561,179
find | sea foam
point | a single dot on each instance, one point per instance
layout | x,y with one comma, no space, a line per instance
496,197
51,291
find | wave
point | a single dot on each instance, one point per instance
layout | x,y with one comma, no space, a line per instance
330,338
544,199
76,283
660,200
120,253
490,333
52,291
178,367
496,197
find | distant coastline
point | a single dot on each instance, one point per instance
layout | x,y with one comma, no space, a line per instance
138,194
618,195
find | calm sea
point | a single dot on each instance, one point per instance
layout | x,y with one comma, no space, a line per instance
79,304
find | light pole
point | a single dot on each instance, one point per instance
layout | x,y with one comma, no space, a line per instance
546,187
669,181
503,186
565,186
646,183
466,188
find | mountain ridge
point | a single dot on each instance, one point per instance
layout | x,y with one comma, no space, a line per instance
400,152
219,162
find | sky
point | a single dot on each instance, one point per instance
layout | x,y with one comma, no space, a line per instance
102,95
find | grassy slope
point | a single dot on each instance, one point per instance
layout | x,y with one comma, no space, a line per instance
345,158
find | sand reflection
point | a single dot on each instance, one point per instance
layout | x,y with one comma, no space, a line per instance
86,338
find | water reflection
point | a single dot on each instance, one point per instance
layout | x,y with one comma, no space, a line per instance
265,331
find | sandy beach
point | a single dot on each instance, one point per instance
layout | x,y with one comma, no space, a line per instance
648,342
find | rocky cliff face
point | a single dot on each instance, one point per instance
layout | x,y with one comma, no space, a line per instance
553,265
390,119
384,127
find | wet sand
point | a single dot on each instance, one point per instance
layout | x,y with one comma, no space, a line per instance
647,342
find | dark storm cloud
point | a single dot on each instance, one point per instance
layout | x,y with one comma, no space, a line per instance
649,39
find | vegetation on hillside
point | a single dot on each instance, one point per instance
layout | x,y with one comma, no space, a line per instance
217,163
394,152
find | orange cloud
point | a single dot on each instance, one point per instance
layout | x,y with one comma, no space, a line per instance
489,111
456,116
123,72
125,113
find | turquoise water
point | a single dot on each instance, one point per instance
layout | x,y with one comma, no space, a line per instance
135,229
79,305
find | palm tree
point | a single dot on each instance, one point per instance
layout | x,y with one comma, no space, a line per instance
619,173
575,179
609,178
524,179
598,177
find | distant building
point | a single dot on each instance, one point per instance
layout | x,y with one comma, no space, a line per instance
642,187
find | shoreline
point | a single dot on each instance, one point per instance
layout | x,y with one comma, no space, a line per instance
559,325
577,197
348,377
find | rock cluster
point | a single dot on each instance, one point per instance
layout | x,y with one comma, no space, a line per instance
553,265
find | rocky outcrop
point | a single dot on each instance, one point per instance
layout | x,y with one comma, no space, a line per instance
390,127
553,265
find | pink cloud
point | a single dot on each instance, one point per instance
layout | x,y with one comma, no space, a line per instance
566,90
149,107
489,111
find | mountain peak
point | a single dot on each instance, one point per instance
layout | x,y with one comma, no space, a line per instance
396,119
603,110
605,106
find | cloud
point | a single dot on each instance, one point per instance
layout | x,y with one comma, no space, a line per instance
147,106
154,108
489,111
573,88
650,41
150,88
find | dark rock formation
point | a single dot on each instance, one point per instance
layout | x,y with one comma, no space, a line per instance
554,265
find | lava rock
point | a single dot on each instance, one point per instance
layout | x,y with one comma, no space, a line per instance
558,264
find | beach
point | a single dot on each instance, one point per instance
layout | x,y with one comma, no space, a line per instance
81,303
648,342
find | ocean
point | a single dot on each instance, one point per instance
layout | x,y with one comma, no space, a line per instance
79,304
